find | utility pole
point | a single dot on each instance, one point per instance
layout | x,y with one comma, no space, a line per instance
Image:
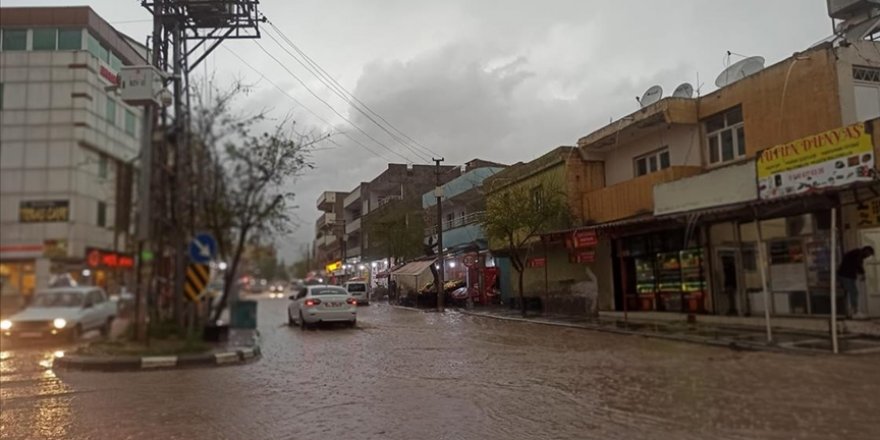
438,192
206,23
308,259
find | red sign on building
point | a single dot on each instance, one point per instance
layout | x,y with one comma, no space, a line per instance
98,258
583,257
108,75
536,262
583,239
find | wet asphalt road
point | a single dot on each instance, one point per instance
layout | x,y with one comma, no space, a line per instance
409,375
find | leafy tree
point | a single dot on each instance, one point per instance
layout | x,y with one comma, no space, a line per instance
517,214
248,190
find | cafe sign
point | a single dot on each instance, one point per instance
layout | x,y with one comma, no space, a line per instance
830,159
43,211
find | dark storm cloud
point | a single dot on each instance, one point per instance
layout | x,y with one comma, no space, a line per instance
503,80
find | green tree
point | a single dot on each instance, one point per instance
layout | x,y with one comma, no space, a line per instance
517,214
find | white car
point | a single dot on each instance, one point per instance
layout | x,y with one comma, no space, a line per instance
314,304
62,312
359,290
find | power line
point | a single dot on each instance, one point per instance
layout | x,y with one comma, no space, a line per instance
327,104
343,93
280,89
331,83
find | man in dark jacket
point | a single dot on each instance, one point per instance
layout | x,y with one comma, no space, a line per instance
851,269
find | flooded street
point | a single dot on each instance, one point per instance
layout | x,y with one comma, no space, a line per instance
410,375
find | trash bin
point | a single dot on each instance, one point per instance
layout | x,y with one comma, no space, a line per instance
243,314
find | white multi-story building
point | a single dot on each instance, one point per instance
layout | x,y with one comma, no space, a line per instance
68,147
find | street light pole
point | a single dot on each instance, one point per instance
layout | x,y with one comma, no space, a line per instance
438,192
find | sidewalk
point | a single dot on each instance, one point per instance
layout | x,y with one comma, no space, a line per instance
732,336
810,324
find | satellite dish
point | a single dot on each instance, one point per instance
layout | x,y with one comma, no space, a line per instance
685,90
739,70
651,96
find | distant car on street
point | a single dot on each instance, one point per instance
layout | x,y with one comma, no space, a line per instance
359,290
315,304
62,312
276,290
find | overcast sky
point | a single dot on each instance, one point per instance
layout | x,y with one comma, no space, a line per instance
502,80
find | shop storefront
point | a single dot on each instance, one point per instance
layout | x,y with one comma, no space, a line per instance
661,271
797,250
768,223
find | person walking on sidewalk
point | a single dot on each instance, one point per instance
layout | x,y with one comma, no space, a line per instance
852,268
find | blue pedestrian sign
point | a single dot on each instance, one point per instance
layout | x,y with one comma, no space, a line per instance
202,248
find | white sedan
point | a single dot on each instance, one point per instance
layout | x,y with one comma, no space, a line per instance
314,304
62,311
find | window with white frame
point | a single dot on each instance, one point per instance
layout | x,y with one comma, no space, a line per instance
725,136
651,162
867,92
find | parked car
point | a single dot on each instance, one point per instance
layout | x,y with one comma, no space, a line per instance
315,304
359,290
62,312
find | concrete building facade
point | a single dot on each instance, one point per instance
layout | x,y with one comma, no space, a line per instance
68,146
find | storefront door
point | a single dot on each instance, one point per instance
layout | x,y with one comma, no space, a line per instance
728,296
871,296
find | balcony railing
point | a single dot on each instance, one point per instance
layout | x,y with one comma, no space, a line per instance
352,197
632,197
326,200
468,219
353,226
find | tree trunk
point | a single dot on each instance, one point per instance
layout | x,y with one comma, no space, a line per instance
229,280
436,274
522,296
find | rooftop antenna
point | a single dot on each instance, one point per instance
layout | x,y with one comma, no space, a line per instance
652,95
739,70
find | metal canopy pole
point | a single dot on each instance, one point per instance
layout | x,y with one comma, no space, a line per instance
834,279
763,264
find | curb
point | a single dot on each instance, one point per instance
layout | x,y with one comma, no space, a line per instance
233,356
411,309
733,345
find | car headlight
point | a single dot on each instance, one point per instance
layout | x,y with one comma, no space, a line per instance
5,324
59,323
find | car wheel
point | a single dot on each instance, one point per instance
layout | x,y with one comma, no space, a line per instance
290,321
107,327
302,322
352,323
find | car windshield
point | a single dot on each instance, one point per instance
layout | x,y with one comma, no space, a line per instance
329,291
359,287
58,299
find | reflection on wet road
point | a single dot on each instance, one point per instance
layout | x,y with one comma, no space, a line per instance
408,375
